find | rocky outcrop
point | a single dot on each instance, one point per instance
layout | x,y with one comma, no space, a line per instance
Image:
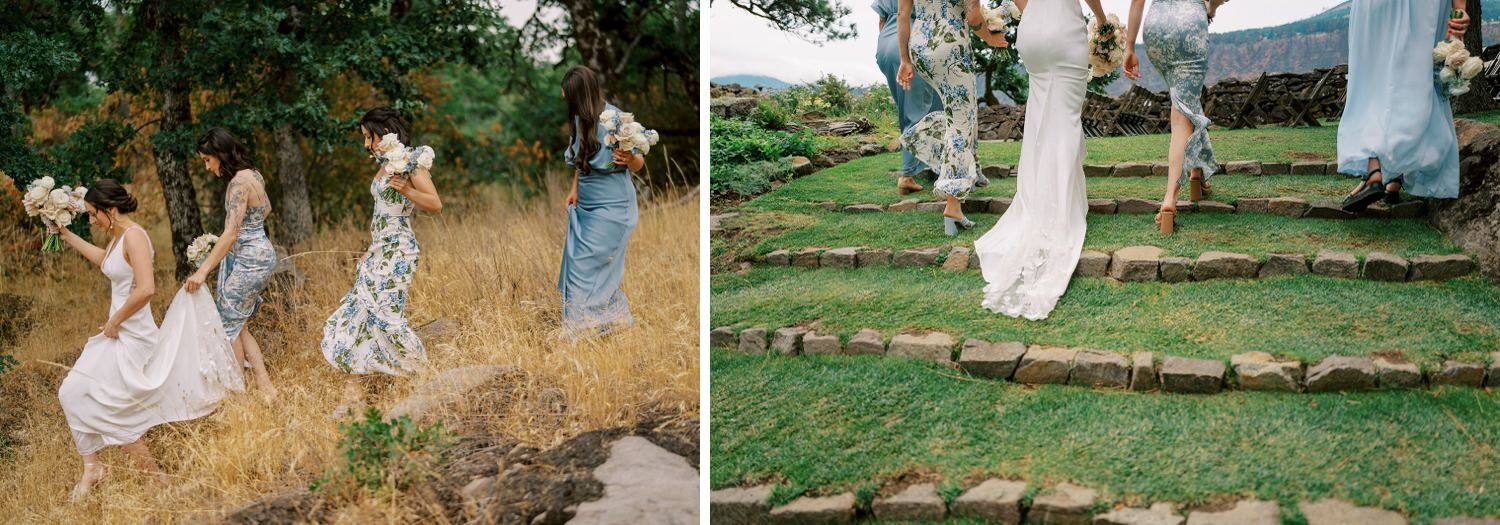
1472,220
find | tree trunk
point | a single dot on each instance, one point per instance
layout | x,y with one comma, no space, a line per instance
594,45
172,169
1478,98
295,210
989,86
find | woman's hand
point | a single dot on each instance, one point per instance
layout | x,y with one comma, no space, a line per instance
1458,26
904,74
996,40
51,227
572,199
1132,65
111,329
194,281
631,160
399,182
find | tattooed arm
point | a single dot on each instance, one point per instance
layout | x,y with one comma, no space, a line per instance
240,191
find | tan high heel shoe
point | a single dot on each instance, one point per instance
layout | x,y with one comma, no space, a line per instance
1197,190
1166,221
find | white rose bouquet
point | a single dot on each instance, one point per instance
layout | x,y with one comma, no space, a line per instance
1106,50
399,161
621,131
56,205
198,251
1455,67
1003,18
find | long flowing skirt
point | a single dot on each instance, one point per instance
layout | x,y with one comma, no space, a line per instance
593,261
368,333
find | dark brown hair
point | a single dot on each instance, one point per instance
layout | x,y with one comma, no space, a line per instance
107,194
232,155
585,101
383,120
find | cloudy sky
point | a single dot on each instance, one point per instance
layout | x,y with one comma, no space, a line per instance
743,44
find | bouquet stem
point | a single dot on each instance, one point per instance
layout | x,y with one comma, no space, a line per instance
52,243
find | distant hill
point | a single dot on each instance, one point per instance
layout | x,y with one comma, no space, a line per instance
752,81
1318,41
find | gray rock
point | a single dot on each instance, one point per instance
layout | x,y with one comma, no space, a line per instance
1309,168
1191,376
995,500
1045,365
1099,368
722,337
863,208
991,360
456,392
1143,372
779,258
866,342
1465,520
1331,168
1096,170
1260,371
753,340
868,258
1278,264
1243,167
1329,511
995,171
866,150
1440,267
974,262
1214,207
1335,264
1067,504
1102,206
1275,168
916,503
788,341
931,346
839,258
958,259
1131,169
1392,373
806,257
932,207
643,483
1381,266
1327,210
916,257
1160,170
1246,512
1135,263
1407,210
815,343
806,510
1092,264
1175,269
829,205
903,206
1252,206
1492,375
1457,373
731,107
1223,265
1136,206
1158,514
977,204
998,205
1287,206
1340,373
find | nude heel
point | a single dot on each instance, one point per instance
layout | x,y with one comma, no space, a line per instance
1166,221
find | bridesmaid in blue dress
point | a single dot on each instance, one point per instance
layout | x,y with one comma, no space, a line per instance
1396,117
910,105
602,214
1176,34
243,254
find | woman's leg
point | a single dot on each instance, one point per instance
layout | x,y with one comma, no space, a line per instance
246,345
143,460
93,471
1182,129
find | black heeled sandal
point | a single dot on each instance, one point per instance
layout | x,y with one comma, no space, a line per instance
1393,198
1367,195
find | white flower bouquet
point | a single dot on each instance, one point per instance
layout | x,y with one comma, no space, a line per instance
1106,48
399,161
56,205
621,131
1002,18
1455,66
198,251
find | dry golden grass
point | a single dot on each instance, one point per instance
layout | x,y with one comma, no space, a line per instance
488,263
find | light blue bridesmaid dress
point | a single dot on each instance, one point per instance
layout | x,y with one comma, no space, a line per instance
1395,111
1176,35
910,105
244,271
593,261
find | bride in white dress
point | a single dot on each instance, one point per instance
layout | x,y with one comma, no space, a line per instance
1030,254
134,376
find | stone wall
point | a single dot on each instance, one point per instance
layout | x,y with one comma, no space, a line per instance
1472,220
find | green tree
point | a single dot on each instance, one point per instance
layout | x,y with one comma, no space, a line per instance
814,20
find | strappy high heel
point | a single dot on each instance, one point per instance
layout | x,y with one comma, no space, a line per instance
1393,198
1166,221
82,488
951,226
1367,194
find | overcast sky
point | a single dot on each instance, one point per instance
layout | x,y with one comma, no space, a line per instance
743,44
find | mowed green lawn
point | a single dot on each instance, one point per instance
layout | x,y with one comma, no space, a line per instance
823,425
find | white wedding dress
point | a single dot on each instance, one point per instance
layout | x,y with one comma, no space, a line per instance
1029,256
119,388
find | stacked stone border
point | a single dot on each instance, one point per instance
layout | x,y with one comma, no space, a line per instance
1293,207
1146,263
1141,371
1005,501
802,166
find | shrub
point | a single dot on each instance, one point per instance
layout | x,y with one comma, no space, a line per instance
828,95
733,141
875,101
384,454
769,115
748,179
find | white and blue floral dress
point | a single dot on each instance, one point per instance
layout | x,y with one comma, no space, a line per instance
944,140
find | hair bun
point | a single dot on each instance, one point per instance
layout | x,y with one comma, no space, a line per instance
127,204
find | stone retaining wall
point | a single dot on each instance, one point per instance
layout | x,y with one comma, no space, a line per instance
1285,206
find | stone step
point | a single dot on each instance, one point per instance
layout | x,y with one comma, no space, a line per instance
1295,207
1093,368
1146,263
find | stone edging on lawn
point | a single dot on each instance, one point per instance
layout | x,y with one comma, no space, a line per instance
1005,501
1146,263
1038,364
1284,206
